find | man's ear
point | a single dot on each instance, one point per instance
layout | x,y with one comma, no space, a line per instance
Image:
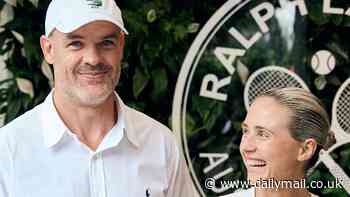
47,48
121,43
307,149
122,39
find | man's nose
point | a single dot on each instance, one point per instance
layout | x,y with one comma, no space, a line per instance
92,56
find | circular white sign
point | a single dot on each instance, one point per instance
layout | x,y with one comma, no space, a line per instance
239,39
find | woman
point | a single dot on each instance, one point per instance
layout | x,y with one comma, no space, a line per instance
283,133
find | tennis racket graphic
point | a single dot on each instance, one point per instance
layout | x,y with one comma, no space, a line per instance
267,78
341,128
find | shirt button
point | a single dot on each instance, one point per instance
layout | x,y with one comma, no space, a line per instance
94,157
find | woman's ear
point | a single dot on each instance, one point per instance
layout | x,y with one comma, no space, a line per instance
307,149
47,48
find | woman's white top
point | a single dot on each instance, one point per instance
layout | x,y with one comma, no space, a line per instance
249,193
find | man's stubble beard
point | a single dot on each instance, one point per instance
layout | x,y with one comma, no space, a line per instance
80,95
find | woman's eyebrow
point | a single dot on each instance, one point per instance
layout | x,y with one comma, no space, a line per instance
264,128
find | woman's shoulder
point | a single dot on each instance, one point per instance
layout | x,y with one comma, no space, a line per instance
242,193
313,195
250,193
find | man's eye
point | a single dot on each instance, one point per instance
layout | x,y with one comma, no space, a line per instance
75,44
108,43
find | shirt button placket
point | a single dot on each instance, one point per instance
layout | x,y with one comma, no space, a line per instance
97,179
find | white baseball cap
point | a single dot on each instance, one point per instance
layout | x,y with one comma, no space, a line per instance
68,15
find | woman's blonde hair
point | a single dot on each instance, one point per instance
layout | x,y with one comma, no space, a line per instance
309,118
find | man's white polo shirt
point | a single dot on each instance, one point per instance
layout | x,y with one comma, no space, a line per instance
40,157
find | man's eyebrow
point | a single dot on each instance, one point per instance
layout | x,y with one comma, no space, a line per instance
71,36
112,35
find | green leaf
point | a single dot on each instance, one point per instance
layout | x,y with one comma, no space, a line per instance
214,115
151,15
320,82
160,83
347,21
203,106
11,2
6,14
13,108
190,125
193,27
180,32
140,81
30,51
20,2
316,14
337,19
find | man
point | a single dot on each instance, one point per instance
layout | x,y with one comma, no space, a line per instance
83,140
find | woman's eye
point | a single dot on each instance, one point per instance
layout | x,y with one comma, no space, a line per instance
244,130
263,134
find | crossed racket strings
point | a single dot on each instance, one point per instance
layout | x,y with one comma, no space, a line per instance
343,110
268,80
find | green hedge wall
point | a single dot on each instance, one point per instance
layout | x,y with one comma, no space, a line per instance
161,31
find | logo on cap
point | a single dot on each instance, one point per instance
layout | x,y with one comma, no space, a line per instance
94,3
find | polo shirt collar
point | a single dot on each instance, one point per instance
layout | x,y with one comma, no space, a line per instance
125,117
54,127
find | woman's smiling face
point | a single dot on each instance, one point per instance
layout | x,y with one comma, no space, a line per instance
267,148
